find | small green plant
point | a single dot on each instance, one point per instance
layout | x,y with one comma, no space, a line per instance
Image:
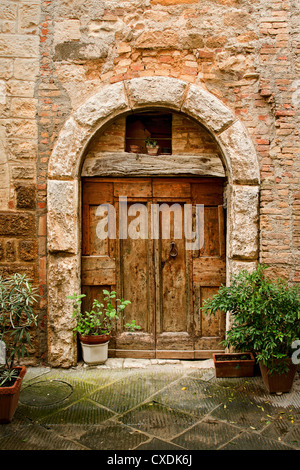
150,142
265,317
17,317
103,316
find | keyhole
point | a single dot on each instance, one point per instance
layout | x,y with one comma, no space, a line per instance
173,250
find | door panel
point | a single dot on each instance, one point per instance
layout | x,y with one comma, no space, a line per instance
135,259
173,332
148,263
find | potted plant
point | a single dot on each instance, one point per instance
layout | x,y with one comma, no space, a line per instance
265,321
17,316
151,146
94,327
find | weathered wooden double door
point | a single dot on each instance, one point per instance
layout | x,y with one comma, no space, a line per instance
160,243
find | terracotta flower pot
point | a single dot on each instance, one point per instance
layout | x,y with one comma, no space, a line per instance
94,339
152,150
134,148
9,397
278,383
234,364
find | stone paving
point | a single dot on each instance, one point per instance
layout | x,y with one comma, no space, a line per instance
160,405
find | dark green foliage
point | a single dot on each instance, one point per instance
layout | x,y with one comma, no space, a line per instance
17,316
265,316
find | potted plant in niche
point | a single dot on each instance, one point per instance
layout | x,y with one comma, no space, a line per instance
265,321
17,316
94,327
151,146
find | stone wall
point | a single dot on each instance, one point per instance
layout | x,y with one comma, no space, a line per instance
245,53
56,54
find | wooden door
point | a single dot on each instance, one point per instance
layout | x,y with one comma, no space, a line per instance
148,258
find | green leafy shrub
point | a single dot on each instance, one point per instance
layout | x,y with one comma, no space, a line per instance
265,317
17,316
103,316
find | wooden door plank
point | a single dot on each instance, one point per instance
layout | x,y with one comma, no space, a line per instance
123,164
85,229
209,193
138,189
173,323
209,271
171,188
95,193
98,271
221,231
135,258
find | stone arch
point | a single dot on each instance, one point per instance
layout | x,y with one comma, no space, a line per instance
63,222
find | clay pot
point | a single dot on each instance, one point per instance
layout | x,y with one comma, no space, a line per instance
94,339
134,148
234,364
152,150
9,397
278,383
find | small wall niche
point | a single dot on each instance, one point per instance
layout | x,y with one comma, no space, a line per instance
156,126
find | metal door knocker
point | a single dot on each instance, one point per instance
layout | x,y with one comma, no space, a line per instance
173,250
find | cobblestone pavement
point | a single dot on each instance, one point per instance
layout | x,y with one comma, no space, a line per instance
159,405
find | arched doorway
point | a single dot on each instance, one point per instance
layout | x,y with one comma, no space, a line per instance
64,204
165,250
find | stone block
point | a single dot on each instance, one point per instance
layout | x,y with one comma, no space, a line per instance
22,89
205,107
21,149
26,197
6,68
63,280
19,45
9,11
2,92
27,250
24,108
64,161
22,128
17,224
156,91
66,30
243,222
22,172
10,250
234,267
29,17
9,269
62,216
157,40
240,154
26,69
104,104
